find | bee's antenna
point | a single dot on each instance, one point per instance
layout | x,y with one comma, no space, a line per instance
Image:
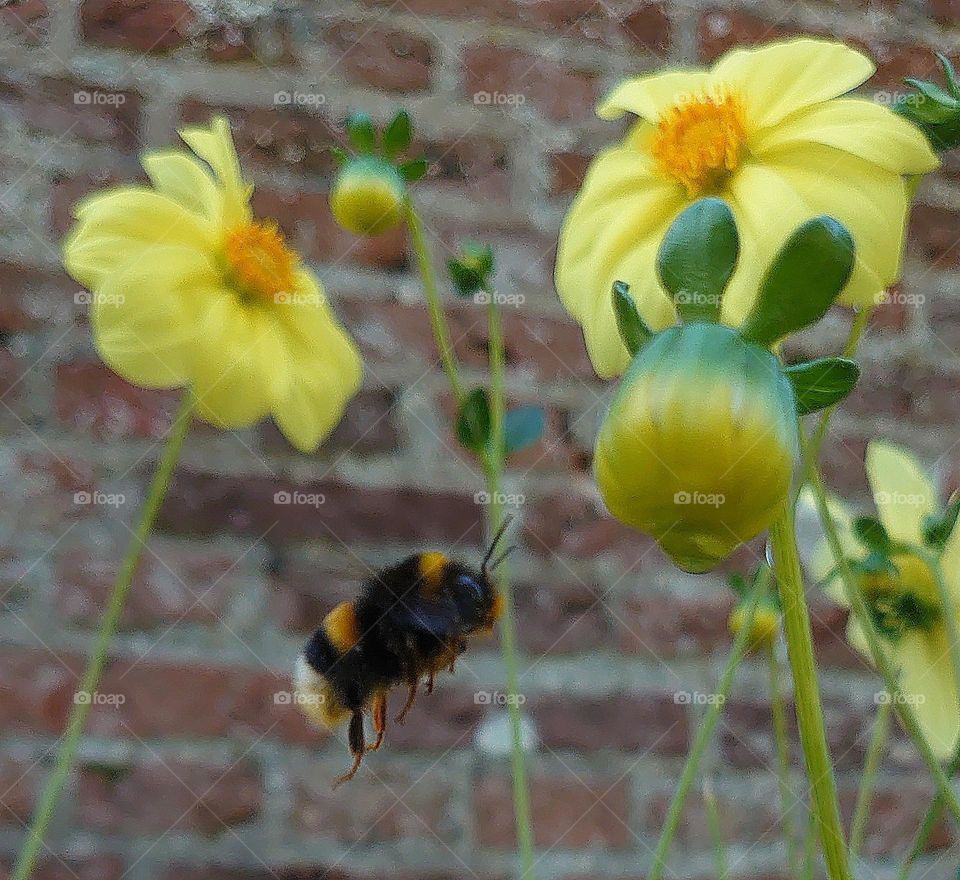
499,560
495,541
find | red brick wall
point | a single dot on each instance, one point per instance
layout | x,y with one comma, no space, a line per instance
199,774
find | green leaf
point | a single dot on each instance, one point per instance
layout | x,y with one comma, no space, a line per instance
870,532
938,529
950,73
361,132
822,382
414,169
737,584
522,427
397,134
473,420
804,280
697,258
471,271
633,331
341,157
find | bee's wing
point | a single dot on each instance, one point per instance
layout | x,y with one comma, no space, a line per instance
435,616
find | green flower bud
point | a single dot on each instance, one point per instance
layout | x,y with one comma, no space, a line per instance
763,627
699,445
368,195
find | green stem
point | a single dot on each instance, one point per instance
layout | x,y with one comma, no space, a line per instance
66,754
875,752
810,847
495,461
431,294
796,619
782,742
713,820
705,732
859,606
930,819
857,329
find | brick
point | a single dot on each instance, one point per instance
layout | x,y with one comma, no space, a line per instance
75,109
743,818
67,191
168,795
445,719
380,57
98,867
30,297
933,236
36,693
29,18
665,626
137,25
303,872
93,399
561,618
18,791
497,78
385,803
186,588
568,170
203,503
634,723
570,812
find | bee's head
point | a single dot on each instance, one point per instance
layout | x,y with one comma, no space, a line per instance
479,601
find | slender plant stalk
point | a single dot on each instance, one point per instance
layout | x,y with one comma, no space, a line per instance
713,820
796,619
783,758
930,819
880,661
67,752
492,459
705,732
810,847
508,630
875,753
438,323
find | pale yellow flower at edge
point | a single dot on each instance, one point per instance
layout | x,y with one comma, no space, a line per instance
190,290
764,130
904,496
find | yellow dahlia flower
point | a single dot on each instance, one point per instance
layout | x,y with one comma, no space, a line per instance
904,600
367,196
188,289
699,445
763,129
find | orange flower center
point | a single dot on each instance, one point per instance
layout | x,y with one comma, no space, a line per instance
700,140
259,260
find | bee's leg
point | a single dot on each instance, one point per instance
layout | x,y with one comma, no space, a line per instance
430,682
413,681
456,649
379,720
357,747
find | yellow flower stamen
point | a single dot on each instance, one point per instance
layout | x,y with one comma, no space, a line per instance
259,260
700,140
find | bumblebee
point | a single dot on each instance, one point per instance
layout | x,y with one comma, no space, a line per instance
409,622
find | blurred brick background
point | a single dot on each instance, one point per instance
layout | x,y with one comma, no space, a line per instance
201,774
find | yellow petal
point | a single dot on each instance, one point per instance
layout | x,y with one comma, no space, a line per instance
927,676
144,316
815,552
125,224
612,233
326,365
233,362
779,78
182,178
215,146
901,490
648,96
856,126
950,563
